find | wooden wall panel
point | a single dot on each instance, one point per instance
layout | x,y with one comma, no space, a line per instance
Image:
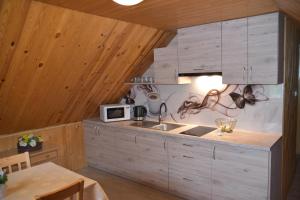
68,138
67,63
12,17
171,14
291,59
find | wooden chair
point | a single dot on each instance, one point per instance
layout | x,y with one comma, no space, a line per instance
68,191
15,163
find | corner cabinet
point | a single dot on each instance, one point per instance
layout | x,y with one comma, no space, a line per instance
199,49
252,50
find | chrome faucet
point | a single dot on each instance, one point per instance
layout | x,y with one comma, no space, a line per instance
160,116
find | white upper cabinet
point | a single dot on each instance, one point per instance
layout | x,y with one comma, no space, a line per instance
199,49
263,49
251,50
165,66
234,51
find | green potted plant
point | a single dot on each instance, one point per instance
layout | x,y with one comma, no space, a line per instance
29,142
3,179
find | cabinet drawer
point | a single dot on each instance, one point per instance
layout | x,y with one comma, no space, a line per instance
43,157
189,147
189,187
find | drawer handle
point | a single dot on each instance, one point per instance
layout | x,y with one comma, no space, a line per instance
48,156
198,69
187,156
187,179
187,145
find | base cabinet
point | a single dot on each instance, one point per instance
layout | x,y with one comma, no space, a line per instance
188,167
239,173
135,155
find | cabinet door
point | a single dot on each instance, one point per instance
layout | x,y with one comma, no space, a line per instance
165,65
99,147
190,168
199,48
127,154
234,51
152,162
263,49
239,174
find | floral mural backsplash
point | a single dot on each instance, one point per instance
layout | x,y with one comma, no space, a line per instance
256,107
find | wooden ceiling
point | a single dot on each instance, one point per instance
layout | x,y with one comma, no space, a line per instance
171,14
58,65
290,7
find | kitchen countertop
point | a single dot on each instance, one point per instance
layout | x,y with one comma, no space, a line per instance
248,139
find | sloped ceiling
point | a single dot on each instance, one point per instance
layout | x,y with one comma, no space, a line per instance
172,14
58,65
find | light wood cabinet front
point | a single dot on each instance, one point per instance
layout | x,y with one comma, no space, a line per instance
234,51
165,65
190,168
240,174
264,59
252,50
199,49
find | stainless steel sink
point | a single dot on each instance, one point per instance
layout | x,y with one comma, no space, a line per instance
144,124
156,125
166,126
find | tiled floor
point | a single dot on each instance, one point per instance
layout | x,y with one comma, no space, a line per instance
294,193
122,189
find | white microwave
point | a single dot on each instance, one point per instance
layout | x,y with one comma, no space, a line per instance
114,112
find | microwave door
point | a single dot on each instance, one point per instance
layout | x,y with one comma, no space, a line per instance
115,113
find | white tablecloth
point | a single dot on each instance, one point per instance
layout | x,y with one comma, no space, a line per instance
44,178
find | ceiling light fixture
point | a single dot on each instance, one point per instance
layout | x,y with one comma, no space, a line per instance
128,2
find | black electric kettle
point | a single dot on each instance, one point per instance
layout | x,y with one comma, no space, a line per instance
139,113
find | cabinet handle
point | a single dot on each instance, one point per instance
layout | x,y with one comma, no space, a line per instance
135,139
187,145
95,130
199,69
244,71
187,156
214,153
187,179
251,72
165,144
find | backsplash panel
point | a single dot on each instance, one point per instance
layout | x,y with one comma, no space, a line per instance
256,107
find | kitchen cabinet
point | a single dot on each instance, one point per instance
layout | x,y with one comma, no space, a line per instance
239,173
199,49
165,68
234,51
189,168
132,154
100,147
152,162
252,50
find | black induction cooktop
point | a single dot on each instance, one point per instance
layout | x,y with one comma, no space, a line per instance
198,131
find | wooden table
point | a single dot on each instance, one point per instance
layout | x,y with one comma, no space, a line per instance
25,184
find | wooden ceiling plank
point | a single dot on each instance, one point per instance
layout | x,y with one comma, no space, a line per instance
12,17
171,14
